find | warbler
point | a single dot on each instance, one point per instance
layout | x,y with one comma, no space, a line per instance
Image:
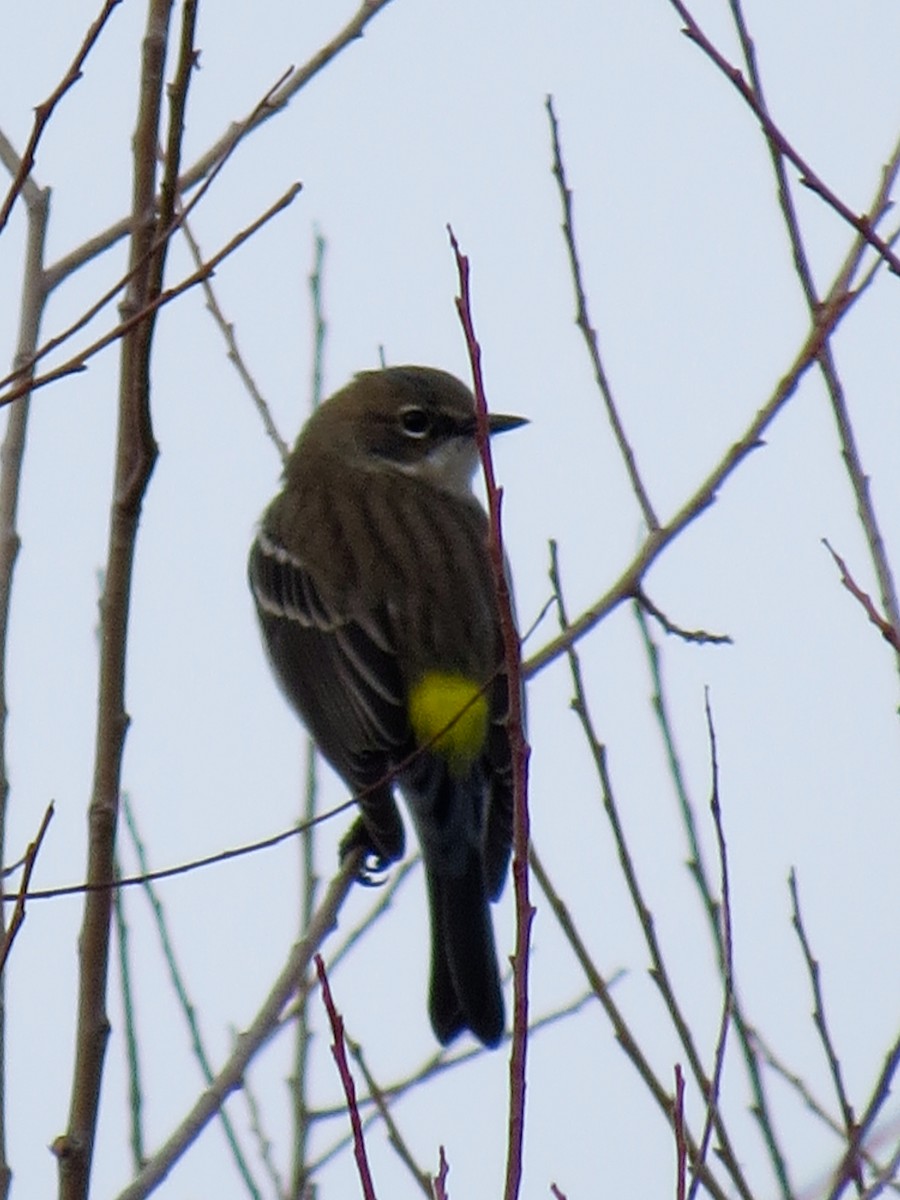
378,605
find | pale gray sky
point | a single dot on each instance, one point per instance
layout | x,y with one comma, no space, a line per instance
437,115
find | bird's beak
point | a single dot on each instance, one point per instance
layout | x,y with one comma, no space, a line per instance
498,423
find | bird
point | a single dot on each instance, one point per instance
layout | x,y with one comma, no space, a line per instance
377,601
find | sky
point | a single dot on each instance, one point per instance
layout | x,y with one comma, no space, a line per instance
437,115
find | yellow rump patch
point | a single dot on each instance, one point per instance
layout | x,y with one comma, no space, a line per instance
449,713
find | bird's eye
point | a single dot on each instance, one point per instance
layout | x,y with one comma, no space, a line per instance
414,422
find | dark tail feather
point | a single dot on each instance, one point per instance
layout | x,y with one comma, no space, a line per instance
465,982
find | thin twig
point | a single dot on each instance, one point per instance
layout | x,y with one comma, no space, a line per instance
395,1136
712,908
801,1087
78,362
320,326
589,333
680,1144
54,275
440,1180
715,1083
264,1143
43,112
624,1036
885,1178
838,301
660,539
293,82
339,1050
132,1041
437,1065
808,177
300,1173
658,970
851,1167
850,451
880,1093
226,328
18,915
263,1026
518,747
889,632
699,637
180,990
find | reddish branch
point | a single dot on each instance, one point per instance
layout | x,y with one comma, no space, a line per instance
339,1050
18,916
888,632
518,746
861,223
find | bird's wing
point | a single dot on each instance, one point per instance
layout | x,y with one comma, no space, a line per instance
338,669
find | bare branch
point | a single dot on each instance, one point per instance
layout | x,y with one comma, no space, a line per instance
44,112
589,333
78,363
518,748
850,450
265,1023
890,633
864,225
339,1050
135,458
18,916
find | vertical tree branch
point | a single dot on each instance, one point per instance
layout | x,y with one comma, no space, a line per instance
519,749
12,453
309,878
135,458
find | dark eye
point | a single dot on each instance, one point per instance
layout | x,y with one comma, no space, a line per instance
414,422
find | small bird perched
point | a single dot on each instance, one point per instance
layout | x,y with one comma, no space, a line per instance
377,601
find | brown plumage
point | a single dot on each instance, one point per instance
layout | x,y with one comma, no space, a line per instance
370,572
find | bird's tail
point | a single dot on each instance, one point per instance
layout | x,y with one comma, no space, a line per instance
465,981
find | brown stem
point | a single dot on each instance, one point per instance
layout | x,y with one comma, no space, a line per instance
12,453
135,458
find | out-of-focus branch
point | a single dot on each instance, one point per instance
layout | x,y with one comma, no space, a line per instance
55,275
266,1022
12,453
658,971
624,1036
890,633
713,1118
851,1167
712,907
395,1137
300,1088
180,992
838,302
437,1065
